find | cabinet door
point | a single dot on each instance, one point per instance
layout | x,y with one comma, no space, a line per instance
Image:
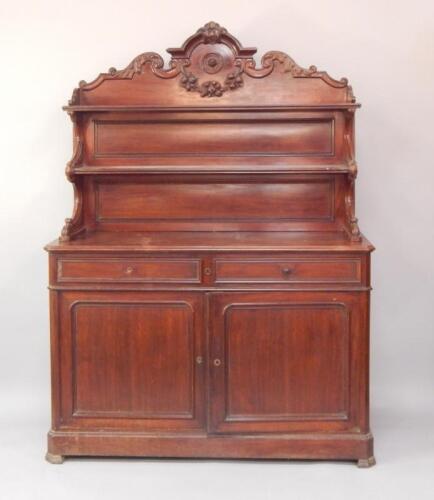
131,360
288,361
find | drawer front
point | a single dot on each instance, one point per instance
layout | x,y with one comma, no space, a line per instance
129,270
321,270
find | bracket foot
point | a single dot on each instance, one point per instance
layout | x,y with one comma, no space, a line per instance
364,463
54,459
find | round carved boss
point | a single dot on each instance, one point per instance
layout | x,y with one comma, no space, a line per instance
212,63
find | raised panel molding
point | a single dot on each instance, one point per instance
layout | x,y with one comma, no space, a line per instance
95,358
286,270
301,200
128,270
218,137
210,295
343,345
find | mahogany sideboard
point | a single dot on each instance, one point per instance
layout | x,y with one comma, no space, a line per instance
209,296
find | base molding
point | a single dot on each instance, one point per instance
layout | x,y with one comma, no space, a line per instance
330,446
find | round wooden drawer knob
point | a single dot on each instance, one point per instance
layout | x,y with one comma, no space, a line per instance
217,362
129,270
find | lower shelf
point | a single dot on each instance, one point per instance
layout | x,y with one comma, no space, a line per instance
330,446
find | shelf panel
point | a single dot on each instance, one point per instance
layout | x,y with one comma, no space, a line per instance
205,169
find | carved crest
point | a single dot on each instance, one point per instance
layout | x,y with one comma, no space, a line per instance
211,63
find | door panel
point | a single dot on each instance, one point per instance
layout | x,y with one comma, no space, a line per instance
281,361
128,360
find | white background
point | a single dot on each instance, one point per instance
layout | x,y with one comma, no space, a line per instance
386,49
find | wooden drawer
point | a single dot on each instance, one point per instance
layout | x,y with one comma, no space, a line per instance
320,270
129,270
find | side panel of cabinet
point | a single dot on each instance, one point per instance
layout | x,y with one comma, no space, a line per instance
288,361
127,360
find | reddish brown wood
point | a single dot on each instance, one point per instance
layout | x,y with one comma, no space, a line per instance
209,296
212,137
155,270
128,360
285,270
285,361
216,203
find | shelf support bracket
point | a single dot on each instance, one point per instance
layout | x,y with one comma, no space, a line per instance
74,225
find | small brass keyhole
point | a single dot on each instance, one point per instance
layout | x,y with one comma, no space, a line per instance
129,270
199,360
207,271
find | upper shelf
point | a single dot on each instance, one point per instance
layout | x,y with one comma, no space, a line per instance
171,109
211,69
343,168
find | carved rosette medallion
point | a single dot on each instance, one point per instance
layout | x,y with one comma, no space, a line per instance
187,68
209,64
212,63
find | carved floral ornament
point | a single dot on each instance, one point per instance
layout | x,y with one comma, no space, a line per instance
242,65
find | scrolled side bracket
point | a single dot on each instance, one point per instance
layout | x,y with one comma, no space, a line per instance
74,225
350,206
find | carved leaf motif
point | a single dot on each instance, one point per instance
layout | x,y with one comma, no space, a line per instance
243,63
189,82
212,32
234,80
212,88
156,63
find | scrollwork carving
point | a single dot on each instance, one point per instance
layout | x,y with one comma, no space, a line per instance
242,64
352,220
74,98
136,67
270,59
73,225
77,155
155,62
